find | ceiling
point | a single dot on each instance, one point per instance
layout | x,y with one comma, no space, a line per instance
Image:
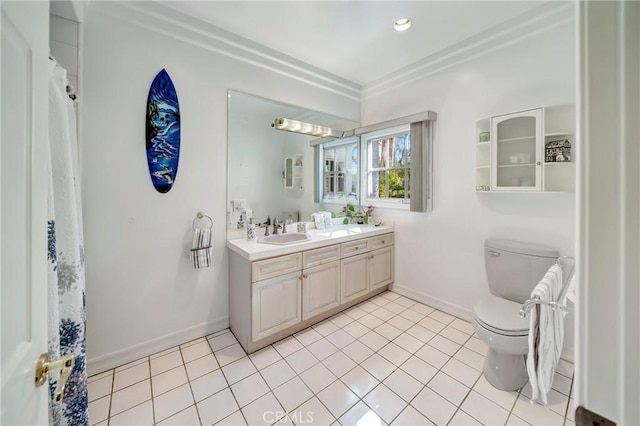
355,39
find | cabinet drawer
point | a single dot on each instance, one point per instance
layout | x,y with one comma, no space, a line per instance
353,247
270,268
319,256
380,241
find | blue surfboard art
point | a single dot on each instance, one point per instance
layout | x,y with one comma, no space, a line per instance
163,132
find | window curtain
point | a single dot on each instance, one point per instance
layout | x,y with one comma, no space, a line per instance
66,285
421,164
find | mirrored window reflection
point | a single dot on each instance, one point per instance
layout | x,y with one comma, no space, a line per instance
340,175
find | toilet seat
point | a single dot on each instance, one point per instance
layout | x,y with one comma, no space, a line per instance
500,316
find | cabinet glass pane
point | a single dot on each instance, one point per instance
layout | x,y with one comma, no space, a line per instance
516,152
288,173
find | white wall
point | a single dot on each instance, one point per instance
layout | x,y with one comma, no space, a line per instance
439,255
63,43
142,294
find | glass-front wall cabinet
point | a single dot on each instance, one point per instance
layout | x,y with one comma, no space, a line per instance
516,151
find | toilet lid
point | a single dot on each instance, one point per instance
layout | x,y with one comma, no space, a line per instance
501,315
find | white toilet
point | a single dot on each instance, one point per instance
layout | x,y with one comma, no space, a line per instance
513,270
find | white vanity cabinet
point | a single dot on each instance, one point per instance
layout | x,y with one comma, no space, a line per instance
272,298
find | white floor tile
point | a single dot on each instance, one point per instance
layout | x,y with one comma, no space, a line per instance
455,335
166,362
108,373
308,336
422,309
195,351
277,373
536,414
565,368
100,388
338,363
99,409
322,349
394,307
504,399
514,420
207,385
201,366
394,353
379,367
287,346
168,380
410,417
355,313
571,411
361,415
463,326
357,351
172,402
555,400
340,338
449,388
301,360
368,306
442,317
312,413
562,384
385,403
421,333
471,358
235,419
222,341
341,320
463,419
477,345
480,408
444,345
165,352
325,328
379,300
338,398
264,411
383,314
408,342
193,342
419,370
370,321
318,377
265,357
434,407
292,394
249,389
238,370
403,384
432,325
359,381
130,397
130,376
229,354
390,295
217,407
401,323
388,331
139,415
411,315
432,356
461,372
405,301
373,340
188,416
132,364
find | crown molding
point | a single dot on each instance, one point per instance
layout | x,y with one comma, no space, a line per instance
155,17
539,20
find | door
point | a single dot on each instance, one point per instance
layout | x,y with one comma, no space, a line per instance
320,289
380,268
23,211
517,151
276,304
354,277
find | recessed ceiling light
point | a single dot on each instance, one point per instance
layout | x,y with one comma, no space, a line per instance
402,24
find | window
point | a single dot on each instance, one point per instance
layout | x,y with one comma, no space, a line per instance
340,164
387,165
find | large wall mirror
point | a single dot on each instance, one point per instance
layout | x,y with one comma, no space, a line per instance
270,172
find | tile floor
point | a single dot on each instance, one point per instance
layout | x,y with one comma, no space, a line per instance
388,360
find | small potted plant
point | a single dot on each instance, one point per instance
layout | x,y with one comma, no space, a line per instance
361,216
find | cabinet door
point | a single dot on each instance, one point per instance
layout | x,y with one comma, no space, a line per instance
354,277
380,268
517,151
320,289
288,172
276,304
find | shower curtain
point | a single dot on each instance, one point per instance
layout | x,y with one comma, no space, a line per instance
66,256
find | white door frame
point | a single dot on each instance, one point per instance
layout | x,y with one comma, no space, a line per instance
607,325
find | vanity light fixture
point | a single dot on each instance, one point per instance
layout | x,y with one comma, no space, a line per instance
402,24
294,126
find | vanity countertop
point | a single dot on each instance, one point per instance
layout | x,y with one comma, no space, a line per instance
253,250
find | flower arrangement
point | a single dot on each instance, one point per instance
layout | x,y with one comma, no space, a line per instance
361,215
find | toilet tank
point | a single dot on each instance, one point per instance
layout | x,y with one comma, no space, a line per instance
514,267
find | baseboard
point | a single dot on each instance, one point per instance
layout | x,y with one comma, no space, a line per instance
123,356
434,302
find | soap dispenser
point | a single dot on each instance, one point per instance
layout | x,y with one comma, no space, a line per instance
241,222
251,230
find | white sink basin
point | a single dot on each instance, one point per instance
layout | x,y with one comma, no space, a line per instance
284,239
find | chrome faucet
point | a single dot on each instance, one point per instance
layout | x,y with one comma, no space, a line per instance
276,231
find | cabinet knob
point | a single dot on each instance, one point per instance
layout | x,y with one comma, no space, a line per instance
538,163
371,257
382,241
304,276
357,248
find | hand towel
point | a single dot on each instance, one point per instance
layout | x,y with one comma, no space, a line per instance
201,248
327,220
318,219
546,334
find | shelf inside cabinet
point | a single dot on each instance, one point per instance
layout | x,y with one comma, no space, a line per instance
517,165
522,138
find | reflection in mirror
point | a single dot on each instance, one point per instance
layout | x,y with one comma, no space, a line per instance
270,172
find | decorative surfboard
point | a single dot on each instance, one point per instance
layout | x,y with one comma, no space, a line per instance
163,132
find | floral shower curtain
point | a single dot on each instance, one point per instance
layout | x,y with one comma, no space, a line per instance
66,255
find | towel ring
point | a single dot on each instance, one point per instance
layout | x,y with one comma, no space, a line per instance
201,215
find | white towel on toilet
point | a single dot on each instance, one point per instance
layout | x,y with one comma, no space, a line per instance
546,334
